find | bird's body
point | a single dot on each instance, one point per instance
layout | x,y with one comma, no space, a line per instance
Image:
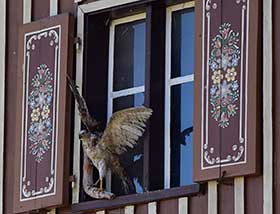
104,148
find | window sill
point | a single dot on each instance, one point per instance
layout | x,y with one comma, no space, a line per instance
146,197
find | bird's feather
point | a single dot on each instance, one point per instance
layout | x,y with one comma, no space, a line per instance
90,123
124,129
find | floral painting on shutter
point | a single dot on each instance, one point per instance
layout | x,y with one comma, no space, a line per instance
226,89
43,130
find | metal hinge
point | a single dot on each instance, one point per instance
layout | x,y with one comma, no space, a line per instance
72,179
77,1
78,43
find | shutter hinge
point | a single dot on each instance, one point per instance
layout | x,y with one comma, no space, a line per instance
78,43
72,179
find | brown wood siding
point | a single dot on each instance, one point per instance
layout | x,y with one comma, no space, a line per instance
197,204
276,104
254,195
40,9
167,206
14,20
226,197
141,209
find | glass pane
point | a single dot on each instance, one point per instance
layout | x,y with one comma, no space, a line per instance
181,134
129,55
132,160
128,101
182,57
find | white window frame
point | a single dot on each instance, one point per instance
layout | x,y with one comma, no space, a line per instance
2,96
82,10
121,93
169,82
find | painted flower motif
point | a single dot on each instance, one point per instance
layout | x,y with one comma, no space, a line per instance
231,109
217,77
231,74
45,112
35,114
40,101
223,62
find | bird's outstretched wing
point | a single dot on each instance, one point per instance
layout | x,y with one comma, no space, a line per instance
124,129
90,123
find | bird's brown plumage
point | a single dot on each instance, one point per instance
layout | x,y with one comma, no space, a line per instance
123,131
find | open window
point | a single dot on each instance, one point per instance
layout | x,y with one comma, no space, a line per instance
143,54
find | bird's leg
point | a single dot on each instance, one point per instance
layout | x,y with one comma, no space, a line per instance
95,184
101,184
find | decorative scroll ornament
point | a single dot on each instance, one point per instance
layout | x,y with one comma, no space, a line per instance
40,101
224,60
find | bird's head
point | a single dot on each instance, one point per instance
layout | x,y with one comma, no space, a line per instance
84,135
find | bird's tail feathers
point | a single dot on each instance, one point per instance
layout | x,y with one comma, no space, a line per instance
127,184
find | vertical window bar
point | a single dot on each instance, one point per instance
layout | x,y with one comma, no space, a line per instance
167,149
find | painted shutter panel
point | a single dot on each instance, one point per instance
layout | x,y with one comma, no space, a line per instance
43,120
227,92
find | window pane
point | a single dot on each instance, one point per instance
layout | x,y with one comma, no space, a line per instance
129,55
128,101
182,43
132,160
181,134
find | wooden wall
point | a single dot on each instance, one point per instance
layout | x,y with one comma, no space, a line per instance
219,199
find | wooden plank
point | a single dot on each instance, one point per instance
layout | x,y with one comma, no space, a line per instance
276,105
226,197
183,205
198,204
154,96
168,206
14,20
100,212
239,195
27,5
254,195
115,211
267,109
53,7
152,208
2,94
40,9
137,198
141,209
100,5
66,6
129,210
212,197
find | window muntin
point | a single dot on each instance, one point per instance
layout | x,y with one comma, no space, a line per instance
126,87
179,94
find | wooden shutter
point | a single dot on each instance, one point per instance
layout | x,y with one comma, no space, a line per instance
227,90
43,120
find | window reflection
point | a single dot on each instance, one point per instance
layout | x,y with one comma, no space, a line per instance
182,43
129,55
181,134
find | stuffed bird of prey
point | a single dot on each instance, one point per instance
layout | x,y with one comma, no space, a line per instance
104,149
